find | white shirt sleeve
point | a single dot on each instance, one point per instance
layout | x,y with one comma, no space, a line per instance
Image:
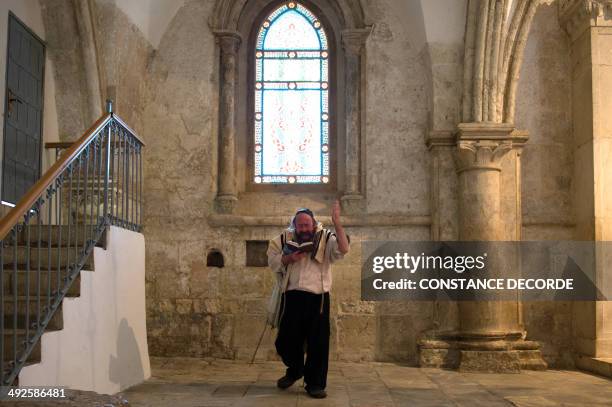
332,251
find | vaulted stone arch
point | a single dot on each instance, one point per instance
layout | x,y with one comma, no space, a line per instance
495,41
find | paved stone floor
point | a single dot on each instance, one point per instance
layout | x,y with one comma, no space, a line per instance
181,382
185,382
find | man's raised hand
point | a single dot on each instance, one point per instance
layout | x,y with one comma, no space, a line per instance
336,212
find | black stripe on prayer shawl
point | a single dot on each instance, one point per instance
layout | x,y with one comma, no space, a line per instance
321,235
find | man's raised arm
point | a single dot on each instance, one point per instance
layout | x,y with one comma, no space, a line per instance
343,244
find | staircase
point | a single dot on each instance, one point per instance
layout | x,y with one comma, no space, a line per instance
49,237
29,291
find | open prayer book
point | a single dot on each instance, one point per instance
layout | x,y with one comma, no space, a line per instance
303,247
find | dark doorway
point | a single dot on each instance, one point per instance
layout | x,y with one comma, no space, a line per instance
25,66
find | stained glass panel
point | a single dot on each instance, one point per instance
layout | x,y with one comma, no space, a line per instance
291,31
291,129
291,140
292,70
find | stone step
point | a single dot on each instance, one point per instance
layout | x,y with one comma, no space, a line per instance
56,321
45,285
9,350
56,235
10,308
43,257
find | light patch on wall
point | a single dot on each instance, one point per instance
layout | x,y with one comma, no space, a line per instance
152,17
444,20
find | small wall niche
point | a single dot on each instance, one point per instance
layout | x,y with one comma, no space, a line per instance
256,253
214,258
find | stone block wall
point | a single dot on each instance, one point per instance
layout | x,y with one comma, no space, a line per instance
544,109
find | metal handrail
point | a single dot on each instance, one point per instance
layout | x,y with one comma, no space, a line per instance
25,203
46,239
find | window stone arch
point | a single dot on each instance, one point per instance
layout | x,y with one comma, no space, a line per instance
232,24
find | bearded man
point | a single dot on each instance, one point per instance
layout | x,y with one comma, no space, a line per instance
306,251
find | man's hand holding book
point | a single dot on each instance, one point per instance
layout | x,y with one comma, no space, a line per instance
293,257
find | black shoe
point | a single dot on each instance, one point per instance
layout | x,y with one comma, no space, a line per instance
316,392
286,382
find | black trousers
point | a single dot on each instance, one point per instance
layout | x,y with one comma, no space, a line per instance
304,328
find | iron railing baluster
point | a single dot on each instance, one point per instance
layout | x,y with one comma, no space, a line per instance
58,246
92,202
86,187
99,187
38,268
49,239
68,251
27,278
113,198
76,212
122,152
2,311
107,172
15,299
131,203
125,180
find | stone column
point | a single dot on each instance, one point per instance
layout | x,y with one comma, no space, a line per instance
353,42
489,337
589,25
229,43
480,149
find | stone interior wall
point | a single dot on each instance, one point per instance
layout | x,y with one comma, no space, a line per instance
170,96
544,109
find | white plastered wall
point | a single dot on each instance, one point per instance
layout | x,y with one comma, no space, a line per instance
103,345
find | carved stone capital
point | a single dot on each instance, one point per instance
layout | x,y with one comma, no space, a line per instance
578,15
229,41
483,145
353,41
481,154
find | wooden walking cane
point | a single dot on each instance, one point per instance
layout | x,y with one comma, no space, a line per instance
259,343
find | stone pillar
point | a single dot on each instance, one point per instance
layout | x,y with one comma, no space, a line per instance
353,42
480,149
490,337
484,326
589,25
229,43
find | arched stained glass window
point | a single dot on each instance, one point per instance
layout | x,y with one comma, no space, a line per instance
291,109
